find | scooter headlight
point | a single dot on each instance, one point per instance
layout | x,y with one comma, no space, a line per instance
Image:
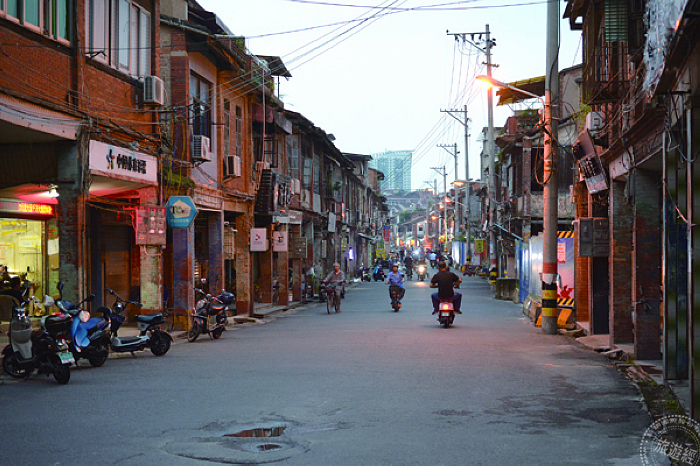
201,303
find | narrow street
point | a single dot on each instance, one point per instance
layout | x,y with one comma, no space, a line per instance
365,386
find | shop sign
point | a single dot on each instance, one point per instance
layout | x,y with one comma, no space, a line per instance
293,217
279,241
180,211
387,233
258,239
331,222
27,208
343,243
479,246
121,163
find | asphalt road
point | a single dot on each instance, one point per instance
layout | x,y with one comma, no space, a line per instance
366,386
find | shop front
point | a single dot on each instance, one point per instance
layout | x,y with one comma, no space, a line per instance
127,226
29,245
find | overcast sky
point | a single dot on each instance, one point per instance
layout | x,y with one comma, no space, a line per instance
379,76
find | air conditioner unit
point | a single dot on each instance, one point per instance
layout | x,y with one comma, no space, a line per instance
201,149
153,90
296,186
232,165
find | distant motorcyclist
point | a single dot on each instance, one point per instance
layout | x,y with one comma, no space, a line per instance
445,281
408,262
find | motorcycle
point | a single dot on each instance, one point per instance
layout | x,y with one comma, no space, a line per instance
37,349
409,273
378,274
446,313
395,294
210,315
89,337
422,272
150,334
434,263
364,274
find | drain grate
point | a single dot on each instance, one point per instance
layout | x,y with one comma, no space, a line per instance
260,432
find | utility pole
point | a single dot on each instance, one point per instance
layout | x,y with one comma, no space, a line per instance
551,188
464,122
454,152
442,171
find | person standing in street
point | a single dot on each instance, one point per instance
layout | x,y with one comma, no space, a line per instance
446,281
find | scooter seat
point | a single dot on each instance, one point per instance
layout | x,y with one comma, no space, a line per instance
148,319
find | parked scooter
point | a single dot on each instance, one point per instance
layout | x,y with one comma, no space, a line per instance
210,315
378,273
150,334
89,337
35,349
364,274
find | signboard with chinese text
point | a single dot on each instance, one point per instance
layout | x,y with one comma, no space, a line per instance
387,233
180,211
27,208
121,163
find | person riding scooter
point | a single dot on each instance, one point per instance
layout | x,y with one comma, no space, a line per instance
445,281
396,290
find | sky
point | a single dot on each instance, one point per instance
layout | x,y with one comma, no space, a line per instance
376,74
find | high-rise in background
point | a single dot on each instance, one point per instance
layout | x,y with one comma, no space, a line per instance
396,166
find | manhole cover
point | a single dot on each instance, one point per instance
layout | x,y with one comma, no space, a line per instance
259,432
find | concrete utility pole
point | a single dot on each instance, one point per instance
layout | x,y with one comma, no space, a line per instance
454,152
442,171
464,123
551,188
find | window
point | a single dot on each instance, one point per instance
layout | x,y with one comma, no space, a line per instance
239,131
119,34
200,105
49,17
293,155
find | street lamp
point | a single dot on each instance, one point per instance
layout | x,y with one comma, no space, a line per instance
550,196
501,85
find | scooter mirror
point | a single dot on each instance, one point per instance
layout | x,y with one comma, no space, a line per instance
109,291
60,286
90,298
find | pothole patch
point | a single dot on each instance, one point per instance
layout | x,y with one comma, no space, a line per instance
259,432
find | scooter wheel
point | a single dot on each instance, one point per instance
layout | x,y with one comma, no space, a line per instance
216,334
194,332
61,372
99,358
11,366
161,344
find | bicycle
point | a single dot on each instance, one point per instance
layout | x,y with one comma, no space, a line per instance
332,300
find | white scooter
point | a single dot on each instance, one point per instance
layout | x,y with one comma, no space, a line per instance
35,349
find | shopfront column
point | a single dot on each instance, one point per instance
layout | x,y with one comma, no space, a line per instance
620,265
216,252
244,263
183,269
151,264
71,220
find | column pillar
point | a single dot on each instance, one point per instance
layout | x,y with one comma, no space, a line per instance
216,252
244,264
70,220
151,271
183,273
620,298
647,265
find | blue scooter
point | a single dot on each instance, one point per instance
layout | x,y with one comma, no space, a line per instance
89,336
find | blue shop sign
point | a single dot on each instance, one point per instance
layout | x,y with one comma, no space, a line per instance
180,211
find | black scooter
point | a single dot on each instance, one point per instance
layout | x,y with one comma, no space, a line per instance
210,315
150,334
395,294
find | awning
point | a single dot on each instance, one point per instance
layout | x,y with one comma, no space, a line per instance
367,237
534,85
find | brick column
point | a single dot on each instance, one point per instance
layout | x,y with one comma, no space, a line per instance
647,265
266,269
244,262
620,263
70,220
151,276
583,288
216,252
283,277
183,272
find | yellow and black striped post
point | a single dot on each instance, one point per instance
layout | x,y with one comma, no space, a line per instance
493,275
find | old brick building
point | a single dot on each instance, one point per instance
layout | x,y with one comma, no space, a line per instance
79,142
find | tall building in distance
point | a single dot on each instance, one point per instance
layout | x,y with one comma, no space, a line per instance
396,166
